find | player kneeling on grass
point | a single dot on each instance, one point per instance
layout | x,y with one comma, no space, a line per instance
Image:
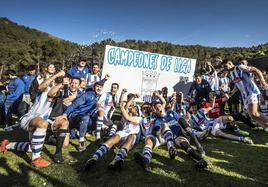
63,93
126,138
35,122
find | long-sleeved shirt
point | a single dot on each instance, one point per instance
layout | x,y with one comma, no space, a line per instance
202,90
28,79
16,88
83,104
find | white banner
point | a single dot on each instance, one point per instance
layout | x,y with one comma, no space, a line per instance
144,72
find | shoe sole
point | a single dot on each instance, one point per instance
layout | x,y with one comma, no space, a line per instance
250,143
81,149
139,160
201,165
3,145
89,165
172,153
58,161
118,166
41,166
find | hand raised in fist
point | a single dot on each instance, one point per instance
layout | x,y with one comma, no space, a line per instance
60,73
137,95
124,90
107,76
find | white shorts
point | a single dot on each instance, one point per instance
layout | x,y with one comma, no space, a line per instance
25,121
128,129
217,125
158,141
251,99
124,139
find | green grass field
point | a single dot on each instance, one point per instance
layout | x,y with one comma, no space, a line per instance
232,164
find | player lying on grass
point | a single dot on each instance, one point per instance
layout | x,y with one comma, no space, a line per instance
201,123
166,130
125,138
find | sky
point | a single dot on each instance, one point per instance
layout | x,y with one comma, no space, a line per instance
215,23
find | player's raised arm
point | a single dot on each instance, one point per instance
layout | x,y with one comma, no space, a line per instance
122,96
125,112
54,90
212,105
162,99
43,86
260,76
173,102
226,97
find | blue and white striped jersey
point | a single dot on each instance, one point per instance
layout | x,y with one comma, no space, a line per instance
224,83
244,81
150,98
91,79
108,103
147,125
129,127
181,108
213,80
200,120
147,98
171,118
